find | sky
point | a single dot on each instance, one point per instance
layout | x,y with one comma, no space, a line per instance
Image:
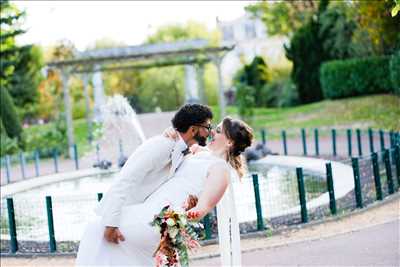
130,22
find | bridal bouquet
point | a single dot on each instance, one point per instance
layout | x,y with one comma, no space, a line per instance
178,236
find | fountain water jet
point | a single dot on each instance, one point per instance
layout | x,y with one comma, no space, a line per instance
120,133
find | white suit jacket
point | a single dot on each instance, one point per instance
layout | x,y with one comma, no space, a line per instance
151,165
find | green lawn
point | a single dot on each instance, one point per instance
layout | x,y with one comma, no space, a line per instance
377,112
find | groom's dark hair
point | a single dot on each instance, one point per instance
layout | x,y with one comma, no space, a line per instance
190,114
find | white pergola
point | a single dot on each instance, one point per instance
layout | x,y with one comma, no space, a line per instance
191,53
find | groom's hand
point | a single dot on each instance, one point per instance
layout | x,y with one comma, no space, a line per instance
113,235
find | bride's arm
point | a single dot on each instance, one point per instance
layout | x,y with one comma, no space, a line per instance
216,183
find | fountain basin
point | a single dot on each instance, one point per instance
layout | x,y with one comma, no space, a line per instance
74,195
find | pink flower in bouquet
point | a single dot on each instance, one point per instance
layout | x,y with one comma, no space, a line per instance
193,244
161,259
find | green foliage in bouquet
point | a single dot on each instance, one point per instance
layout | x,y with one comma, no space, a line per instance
178,236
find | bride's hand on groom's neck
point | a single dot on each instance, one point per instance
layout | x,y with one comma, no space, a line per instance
171,133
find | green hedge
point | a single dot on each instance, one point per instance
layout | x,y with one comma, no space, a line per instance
355,77
395,72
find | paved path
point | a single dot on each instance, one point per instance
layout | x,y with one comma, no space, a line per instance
373,246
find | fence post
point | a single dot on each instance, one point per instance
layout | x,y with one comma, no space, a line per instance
207,226
316,142
382,139
349,142
263,136
55,157
37,159
50,223
388,168
357,182
22,162
358,131
8,168
331,189
377,176
397,138
99,196
75,147
397,163
391,139
12,226
302,195
260,221
371,140
284,142
303,137
334,142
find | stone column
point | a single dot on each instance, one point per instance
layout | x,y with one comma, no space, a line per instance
222,104
200,83
98,92
68,111
191,86
85,79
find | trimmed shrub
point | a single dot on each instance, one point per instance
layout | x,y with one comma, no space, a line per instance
47,137
280,93
245,101
395,72
9,115
355,77
7,145
254,75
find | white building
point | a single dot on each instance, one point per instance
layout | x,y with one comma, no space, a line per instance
250,38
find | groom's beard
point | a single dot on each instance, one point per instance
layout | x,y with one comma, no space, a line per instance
202,141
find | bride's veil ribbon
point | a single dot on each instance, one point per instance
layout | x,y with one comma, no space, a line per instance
228,227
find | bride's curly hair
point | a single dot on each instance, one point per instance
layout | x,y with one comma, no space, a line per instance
242,136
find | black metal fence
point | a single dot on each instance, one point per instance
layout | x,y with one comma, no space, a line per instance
376,174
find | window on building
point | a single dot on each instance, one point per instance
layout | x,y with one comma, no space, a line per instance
250,30
227,32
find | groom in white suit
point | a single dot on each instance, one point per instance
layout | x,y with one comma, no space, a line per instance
153,163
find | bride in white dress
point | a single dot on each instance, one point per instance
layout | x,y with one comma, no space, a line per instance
207,173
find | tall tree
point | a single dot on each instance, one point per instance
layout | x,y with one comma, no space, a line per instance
306,51
10,18
383,30
8,115
20,65
337,27
164,87
283,17
25,81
